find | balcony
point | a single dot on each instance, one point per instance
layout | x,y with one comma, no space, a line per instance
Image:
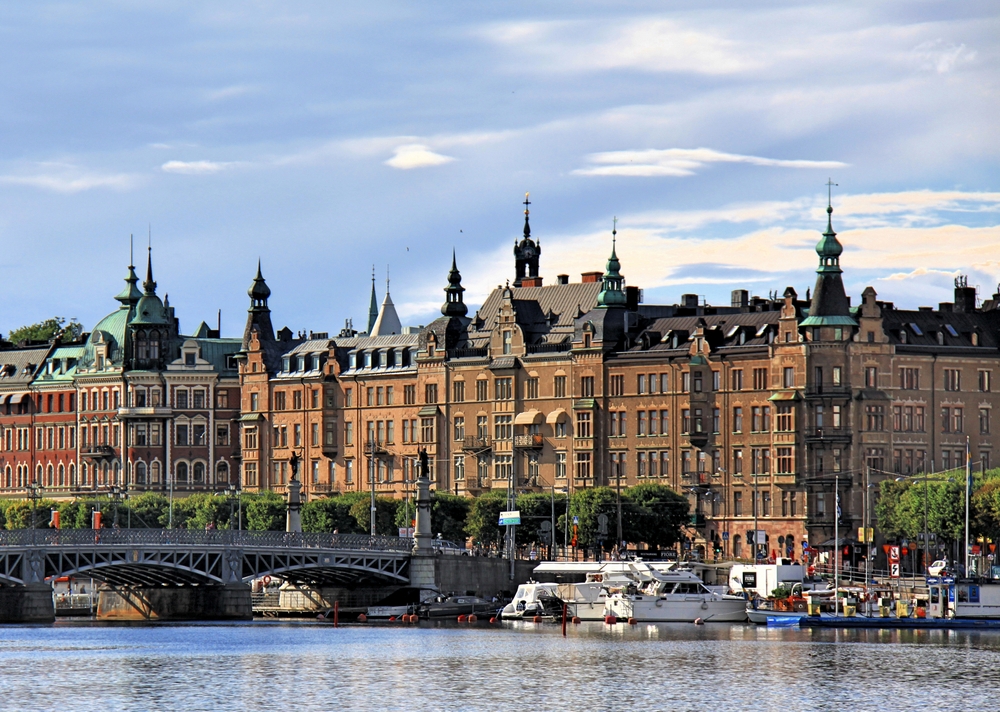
697,520
375,447
99,452
828,435
145,412
827,391
477,445
698,440
528,442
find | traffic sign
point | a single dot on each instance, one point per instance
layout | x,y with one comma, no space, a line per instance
894,570
576,520
511,518
725,536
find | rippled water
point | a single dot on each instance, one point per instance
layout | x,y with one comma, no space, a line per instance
312,666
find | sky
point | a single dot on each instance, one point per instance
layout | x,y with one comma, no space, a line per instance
328,138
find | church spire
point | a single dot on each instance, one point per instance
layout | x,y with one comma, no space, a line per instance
453,305
131,294
372,305
526,251
259,315
829,305
612,293
149,286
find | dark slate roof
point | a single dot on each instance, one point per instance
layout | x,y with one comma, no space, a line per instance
19,366
723,331
923,329
563,300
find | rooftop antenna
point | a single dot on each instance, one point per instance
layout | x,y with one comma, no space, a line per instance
829,192
131,250
387,279
614,232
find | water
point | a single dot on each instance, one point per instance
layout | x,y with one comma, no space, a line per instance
312,666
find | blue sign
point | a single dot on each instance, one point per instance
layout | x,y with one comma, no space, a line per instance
725,536
576,520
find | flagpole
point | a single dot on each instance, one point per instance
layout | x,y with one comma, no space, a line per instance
836,543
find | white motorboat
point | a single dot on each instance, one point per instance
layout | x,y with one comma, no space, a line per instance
532,599
676,595
586,600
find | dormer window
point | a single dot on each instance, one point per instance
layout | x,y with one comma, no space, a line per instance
390,358
286,364
189,358
405,358
507,338
368,359
302,363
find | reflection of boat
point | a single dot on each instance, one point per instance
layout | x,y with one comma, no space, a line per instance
454,606
533,599
672,596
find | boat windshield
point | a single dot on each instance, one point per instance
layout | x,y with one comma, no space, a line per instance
521,592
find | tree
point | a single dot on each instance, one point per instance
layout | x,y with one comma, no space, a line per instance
449,514
385,515
265,511
483,523
329,514
46,330
888,509
662,513
17,513
588,505
535,508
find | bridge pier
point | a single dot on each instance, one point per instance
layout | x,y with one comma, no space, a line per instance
31,603
175,603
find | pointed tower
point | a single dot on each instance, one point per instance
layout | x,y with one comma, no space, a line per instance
829,306
149,309
372,305
526,252
259,315
387,322
612,292
453,305
130,296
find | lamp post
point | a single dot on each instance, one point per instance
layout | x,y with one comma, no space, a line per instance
115,493
566,526
35,494
618,493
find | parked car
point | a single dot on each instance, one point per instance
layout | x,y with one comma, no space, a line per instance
938,568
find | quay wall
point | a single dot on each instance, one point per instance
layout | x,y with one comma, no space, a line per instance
181,603
27,604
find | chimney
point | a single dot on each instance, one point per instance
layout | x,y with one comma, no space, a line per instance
633,297
689,300
740,298
562,279
588,277
965,296
531,282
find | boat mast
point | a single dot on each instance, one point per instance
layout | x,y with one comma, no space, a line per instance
968,496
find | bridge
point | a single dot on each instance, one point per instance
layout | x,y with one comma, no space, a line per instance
186,573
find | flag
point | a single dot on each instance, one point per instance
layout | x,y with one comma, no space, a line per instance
838,506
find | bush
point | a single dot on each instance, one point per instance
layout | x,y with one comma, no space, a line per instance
265,511
328,515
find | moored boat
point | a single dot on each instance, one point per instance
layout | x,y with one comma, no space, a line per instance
673,596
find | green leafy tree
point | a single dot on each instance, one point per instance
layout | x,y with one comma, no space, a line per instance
484,517
46,330
662,512
449,514
385,515
17,513
588,505
889,511
329,514
150,510
265,511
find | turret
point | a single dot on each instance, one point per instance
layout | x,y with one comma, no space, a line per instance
526,253
830,306
259,315
453,305
612,292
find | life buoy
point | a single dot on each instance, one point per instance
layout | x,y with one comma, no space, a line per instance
598,578
267,580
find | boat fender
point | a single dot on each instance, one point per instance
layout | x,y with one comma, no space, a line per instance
704,605
576,620
632,621
536,619
267,580
362,618
493,619
472,618
659,602
462,618
699,621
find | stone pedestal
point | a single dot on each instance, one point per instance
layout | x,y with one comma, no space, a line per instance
27,604
182,603
293,521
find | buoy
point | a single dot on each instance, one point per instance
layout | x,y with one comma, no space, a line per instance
699,621
405,618
576,619
632,621
472,618
392,619
536,619
320,617
493,619
414,618
362,618
610,619
462,618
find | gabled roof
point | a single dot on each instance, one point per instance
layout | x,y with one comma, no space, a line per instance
565,301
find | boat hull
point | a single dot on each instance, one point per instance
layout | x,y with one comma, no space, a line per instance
679,609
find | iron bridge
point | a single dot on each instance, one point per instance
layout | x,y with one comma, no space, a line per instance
187,557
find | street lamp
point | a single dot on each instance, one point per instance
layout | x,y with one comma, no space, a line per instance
35,490
115,492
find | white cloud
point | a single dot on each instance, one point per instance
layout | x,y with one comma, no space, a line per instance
939,57
416,155
231,92
681,162
193,168
919,272
69,179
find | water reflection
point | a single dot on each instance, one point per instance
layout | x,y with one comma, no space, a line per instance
311,666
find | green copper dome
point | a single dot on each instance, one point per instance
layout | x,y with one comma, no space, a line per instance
612,292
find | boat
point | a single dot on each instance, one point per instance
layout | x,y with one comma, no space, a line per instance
675,595
454,606
586,600
533,599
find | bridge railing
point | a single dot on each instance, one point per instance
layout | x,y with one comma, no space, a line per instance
199,537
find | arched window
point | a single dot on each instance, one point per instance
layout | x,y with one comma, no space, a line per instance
154,345
140,473
141,345
8,480
72,475
38,474
199,472
181,468
62,475
83,474
104,474
117,474
154,472
222,473
737,546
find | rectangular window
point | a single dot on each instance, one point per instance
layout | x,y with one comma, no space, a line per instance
297,400
199,399
760,379
297,435
430,393
409,395
664,422
390,431
379,395
503,427
348,397
738,461
686,420
560,465
984,381
641,462
756,420
459,464
697,381
664,383
641,386
653,381
788,377
583,424
198,434
503,389
615,417
784,418
643,423
685,462
715,381
654,421
958,425
531,388
279,400
222,433
314,401
765,503
984,421
481,389
560,429
583,469
314,435
737,419
458,391
427,430
952,379
871,377
507,342
716,420
875,417
559,386
460,428
181,395
785,460
348,471
836,413
736,378
686,382
587,387
182,434
254,402
617,385
348,433
737,504
140,434
909,379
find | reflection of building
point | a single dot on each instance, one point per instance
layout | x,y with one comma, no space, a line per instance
134,405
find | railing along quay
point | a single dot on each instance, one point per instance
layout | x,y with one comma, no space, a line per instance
198,537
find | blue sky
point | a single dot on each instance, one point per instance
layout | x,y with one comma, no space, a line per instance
324,138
